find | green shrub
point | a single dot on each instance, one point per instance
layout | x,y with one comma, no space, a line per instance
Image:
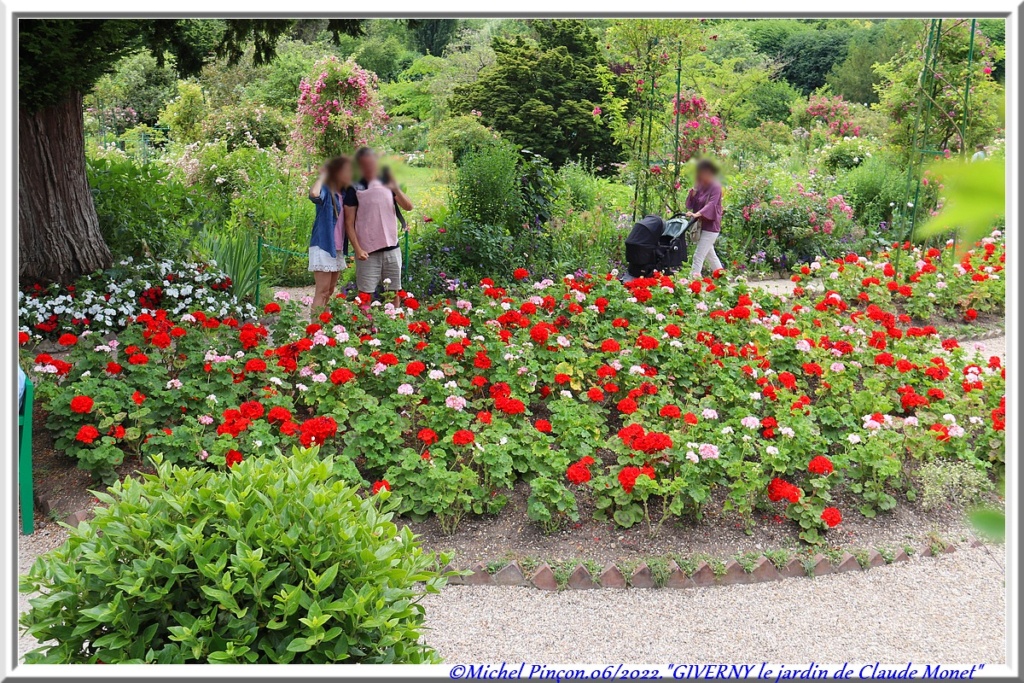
580,186
246,124
486,188
551,504
273,561
184,115
461,135
951,481
142,208
875,187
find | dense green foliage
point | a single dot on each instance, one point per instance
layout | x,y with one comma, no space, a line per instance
543,95
565,127
201,566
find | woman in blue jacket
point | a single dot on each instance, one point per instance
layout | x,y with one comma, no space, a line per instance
326,256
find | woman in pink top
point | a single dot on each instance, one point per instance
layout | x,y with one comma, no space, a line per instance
371,224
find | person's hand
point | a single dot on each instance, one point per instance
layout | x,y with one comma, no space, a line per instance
361,255
392,185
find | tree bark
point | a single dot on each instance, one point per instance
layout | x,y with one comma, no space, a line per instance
59,233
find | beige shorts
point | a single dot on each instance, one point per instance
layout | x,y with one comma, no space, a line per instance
380,266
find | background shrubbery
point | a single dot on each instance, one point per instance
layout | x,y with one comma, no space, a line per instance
554,167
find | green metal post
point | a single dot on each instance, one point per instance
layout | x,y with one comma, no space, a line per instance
679,90
967,92
405,258
259,266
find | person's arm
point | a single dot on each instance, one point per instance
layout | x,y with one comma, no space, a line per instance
350,230
316,192
403,202
689,204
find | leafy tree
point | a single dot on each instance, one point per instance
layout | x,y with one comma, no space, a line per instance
854,77
770,101
410,95
433,35
808,56
137,83
278,82
995,30
771,35
386,57
899,91
544,95
59,60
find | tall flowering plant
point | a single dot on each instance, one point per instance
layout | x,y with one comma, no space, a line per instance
832,113
338,109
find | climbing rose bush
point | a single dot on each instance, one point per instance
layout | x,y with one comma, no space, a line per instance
652,401
338,109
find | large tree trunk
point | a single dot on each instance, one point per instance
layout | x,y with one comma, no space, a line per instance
58,229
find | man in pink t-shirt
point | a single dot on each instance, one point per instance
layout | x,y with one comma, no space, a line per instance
371,223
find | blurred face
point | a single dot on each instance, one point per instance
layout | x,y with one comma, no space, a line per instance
368,166
705,177
343,176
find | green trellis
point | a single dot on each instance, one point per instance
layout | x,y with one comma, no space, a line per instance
922,146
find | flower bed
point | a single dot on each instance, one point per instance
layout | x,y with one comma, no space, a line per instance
934,281
648,397
105,301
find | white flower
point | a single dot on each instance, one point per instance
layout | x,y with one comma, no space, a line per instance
853,438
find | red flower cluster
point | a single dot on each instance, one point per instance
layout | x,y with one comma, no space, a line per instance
317,430
629,474
779,489
579,472
819,464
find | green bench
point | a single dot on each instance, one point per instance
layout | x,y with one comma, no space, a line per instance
26,499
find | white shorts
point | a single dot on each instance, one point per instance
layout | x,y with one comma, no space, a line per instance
322,262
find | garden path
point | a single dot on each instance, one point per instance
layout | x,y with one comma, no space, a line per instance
929,610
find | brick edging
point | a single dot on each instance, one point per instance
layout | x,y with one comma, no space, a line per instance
762,570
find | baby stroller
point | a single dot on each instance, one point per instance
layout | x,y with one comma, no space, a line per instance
656,245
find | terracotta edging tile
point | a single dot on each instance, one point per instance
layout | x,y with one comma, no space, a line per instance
763,570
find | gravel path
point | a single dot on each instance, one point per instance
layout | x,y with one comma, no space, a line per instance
947,609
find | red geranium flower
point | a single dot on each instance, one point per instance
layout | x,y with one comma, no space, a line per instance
671,411
543,426
463,437
342,375
138,398
67,340
271,308
831,516
521,273
87,434
255,365
819,464
81,405
779,489
232,458
427,436
317,430
378,486
278,414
